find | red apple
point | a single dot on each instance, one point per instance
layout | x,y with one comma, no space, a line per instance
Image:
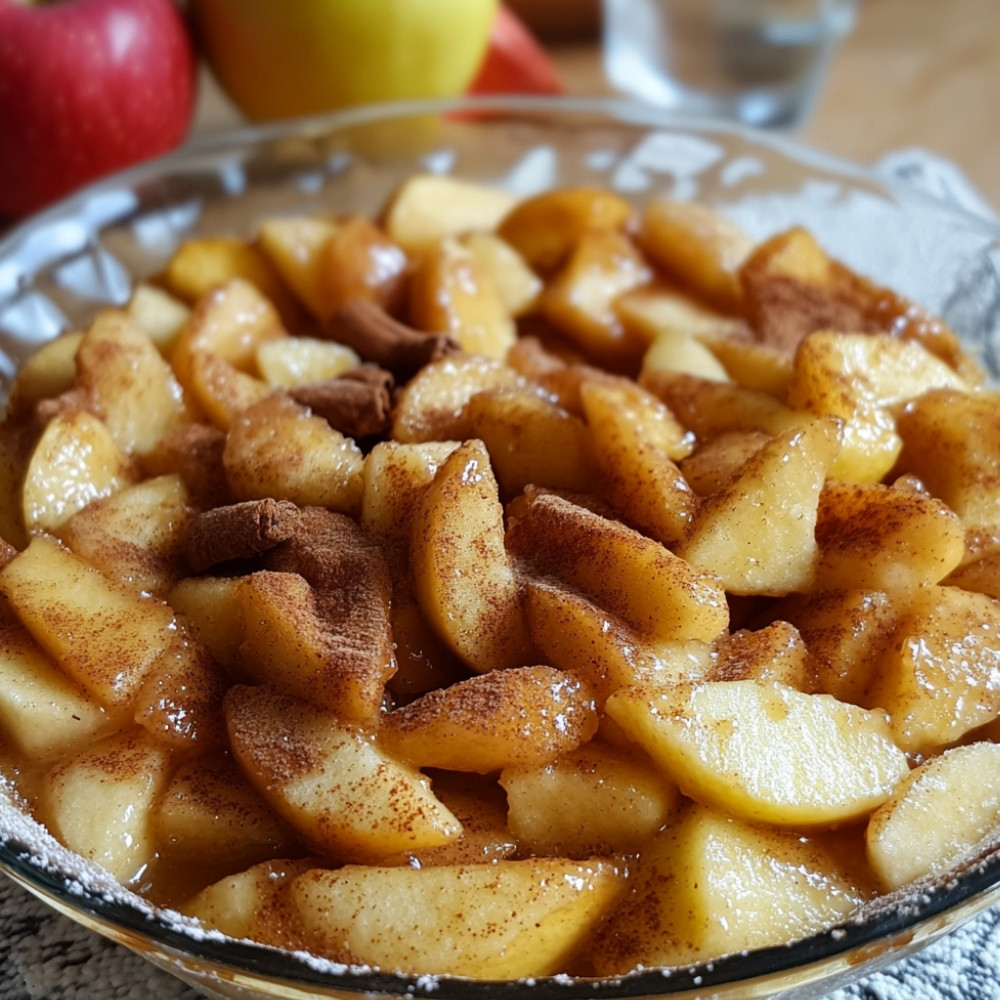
87,87
515,63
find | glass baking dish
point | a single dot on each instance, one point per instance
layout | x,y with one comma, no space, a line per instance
61,267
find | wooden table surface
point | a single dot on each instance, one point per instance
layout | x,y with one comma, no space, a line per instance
913,73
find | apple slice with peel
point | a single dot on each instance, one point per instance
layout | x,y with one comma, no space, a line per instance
488,921
765,752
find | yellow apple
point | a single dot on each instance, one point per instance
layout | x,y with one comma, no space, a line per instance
278,59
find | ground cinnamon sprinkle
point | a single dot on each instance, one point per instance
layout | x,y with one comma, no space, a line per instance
70,401
347,622
782,311
194,452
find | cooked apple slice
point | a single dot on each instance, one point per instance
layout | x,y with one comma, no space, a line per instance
523,716
884,538
432,405
103,636
574,634
210,606
758,533
223,391
253,904
297,361
698,247
317,619
480,805
42,712
277,448
951,442
99,801
709,407
431,207
595,800
48,373
773,653
675,351
847,633
450,292
631,576
228,324
709,885
531,440
658,311
545,228
294,247
635,441
714,462
136,537
395,477
209,814
765,752
75,462
158,314
309,643
859,378
940,677
756,366
518,286
330,781
129,384
203,264
462,576
491,921
180,701
937,816
580,299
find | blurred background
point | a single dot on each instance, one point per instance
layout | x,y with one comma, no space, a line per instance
910,73
81,95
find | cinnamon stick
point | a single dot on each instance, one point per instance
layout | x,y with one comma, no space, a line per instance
239,531
357,403
367,328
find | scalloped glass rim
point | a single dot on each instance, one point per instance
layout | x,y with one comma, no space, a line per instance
72,235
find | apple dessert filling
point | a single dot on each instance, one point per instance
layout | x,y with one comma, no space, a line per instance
506,587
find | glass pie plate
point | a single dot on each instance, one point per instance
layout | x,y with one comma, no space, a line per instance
60,267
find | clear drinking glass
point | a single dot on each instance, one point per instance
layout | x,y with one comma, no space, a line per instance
759,62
